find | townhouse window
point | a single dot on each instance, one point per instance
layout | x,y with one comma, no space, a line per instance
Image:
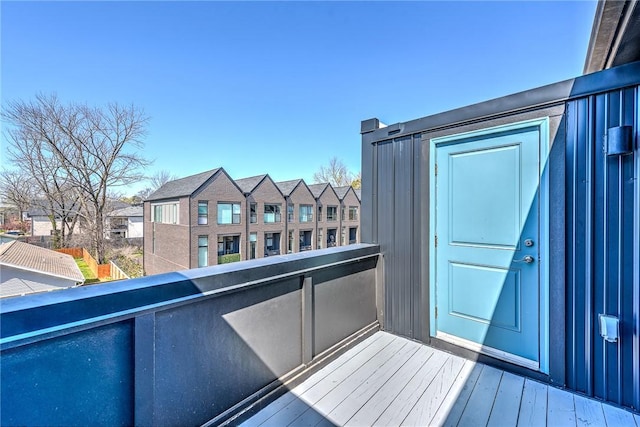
253,214
342,213
290,212
319,213
306,237
332,213
203,251
319,238
228,249
353,213
272,213
343,237
331,237
228,213
290,242
306,213
165,213
228,245
203,213
271,244
253,239
353,235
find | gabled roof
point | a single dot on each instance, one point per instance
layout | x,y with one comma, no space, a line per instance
15,287
39,208
129,211
318,189
358,192
247,185
342,191
40,260
182,187
287,187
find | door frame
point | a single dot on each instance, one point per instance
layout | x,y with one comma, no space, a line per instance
544,148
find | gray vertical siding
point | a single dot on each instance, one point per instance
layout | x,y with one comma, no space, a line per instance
602,249
397,221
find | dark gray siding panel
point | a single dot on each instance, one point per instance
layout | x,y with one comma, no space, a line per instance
383,228
602,249
403,233
397,230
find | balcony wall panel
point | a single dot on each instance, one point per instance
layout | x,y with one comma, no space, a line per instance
222,353
338,314
183,348
41,382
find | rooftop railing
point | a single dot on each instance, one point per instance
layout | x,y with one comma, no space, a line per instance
184,348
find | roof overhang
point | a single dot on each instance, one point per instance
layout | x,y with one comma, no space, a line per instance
615,35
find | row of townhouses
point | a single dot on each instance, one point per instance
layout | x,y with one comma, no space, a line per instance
209,219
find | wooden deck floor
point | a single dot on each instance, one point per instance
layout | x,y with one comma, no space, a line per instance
390,381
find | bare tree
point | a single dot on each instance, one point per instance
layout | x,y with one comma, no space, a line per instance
336,174
42,182
156,180
93,150
160,178
15,188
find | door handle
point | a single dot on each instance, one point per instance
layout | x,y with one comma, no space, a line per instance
528,259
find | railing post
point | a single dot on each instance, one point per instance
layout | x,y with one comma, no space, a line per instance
307,320
144,369
380,299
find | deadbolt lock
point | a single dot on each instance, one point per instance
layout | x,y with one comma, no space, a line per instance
528,243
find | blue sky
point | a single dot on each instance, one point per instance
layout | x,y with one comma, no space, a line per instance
281,87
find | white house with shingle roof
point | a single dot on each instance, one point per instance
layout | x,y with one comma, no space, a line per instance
26,268
126,222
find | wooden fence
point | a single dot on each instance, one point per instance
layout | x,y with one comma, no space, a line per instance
100,270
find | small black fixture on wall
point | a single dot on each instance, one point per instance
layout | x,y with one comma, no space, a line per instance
619,141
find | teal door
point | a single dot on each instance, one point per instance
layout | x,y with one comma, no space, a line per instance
487,243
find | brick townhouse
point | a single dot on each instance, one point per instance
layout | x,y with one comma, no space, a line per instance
209,219
266,224
301,222
349,215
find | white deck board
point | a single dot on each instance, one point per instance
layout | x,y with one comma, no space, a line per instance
352,402
588,412
395,413
454,402
391,381
328,398
617,417
533,406
482,397
383,397
560,408
289,397
507,403
426,407
453,417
